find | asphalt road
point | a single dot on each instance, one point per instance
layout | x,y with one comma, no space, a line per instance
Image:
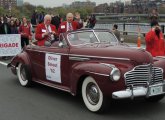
43,103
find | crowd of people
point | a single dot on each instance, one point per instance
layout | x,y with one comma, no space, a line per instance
42,23
48,27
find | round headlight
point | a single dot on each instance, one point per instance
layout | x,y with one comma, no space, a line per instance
115,74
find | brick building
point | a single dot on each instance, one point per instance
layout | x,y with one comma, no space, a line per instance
78,4
8,4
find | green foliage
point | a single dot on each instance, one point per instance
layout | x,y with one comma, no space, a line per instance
27,10
2,11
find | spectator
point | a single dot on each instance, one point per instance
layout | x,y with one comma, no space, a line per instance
34,18
45,31
41,17
69,24
13,27
56,20
1,21
17,23
116,32
92,21
5,28
154,15
25,31
155,40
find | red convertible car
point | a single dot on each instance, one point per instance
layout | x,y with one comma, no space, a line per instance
95,64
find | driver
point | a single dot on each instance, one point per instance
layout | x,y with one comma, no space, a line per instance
45,31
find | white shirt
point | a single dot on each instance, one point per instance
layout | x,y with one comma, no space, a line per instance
68,26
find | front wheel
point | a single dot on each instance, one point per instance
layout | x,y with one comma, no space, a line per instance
24,75
92,95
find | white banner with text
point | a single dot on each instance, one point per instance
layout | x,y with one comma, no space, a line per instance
10,44
53,67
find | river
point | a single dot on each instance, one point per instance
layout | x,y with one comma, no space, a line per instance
130,27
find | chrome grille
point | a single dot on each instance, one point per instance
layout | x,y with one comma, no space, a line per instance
143,74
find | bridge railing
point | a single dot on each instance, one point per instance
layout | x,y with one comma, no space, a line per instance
130,28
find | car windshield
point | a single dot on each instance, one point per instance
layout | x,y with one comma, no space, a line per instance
91,37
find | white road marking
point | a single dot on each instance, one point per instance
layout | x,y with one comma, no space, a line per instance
3,63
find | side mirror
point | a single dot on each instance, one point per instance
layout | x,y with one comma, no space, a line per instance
47,44
121,40
61,44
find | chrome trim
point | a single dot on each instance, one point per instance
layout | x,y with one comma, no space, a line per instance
98,73
114,68
56,87
109,65
86,56
112,73
96,36
143,75
100,57
163,57
78,59
135,92
92,31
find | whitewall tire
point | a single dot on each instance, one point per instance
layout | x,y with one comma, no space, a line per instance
92,95
24,75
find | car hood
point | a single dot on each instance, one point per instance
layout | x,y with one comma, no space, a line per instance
138,55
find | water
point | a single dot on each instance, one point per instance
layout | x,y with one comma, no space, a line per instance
133,28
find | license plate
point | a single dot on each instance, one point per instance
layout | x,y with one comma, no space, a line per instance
155,90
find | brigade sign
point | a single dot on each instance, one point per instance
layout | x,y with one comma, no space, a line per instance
10,44
53,67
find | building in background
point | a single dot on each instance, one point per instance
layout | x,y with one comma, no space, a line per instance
8,4
78,4
19,2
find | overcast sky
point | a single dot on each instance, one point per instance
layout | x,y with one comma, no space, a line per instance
55,3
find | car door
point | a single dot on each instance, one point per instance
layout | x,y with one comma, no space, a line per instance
50,64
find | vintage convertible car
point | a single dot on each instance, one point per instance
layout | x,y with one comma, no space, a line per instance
93,63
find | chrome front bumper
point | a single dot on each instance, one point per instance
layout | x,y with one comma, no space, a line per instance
138,92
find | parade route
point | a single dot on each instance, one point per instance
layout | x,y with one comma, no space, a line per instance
3,63
43,103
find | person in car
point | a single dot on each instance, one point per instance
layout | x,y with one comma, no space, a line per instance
45,31
70,24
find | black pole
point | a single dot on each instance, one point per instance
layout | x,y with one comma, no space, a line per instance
162,27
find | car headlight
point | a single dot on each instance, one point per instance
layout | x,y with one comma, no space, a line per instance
115,74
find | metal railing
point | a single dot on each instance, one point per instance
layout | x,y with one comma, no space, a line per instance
130,28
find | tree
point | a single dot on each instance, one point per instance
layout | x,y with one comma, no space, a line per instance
2,11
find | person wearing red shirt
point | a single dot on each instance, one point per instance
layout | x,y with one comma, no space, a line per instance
70,24
45,31
25,31
155,43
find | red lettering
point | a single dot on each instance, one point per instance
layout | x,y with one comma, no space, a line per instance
8,45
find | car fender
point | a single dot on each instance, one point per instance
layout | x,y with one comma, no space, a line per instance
159,61
95,70
20,58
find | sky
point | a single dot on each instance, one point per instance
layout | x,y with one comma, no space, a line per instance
55,3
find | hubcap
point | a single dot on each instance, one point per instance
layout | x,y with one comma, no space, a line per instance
92,93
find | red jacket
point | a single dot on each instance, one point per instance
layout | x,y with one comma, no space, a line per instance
155,45
63,26
40,30
25,31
